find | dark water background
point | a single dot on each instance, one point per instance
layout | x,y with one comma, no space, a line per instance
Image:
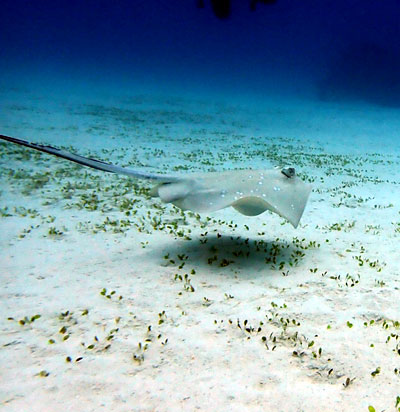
328,50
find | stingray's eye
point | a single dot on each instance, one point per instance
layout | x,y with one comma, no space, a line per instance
289,171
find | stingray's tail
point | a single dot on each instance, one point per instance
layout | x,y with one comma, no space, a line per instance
87,161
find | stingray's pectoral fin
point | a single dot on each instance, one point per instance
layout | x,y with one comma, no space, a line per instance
171,192
251,206
290,206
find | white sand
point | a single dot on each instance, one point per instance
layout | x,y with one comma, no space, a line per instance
163,346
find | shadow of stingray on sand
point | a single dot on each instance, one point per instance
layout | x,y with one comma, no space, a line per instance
235,254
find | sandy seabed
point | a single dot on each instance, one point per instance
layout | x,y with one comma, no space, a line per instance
111,300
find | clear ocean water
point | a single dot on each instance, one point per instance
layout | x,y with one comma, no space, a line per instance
114,299
331,56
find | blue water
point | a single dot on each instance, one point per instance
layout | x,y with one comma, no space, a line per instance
166,86
340,51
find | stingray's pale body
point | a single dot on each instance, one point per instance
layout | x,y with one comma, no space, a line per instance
250,192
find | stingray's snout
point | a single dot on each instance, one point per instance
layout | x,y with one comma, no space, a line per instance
289,171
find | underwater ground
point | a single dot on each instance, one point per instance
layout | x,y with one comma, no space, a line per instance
111,300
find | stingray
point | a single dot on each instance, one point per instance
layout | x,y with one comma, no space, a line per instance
250,192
